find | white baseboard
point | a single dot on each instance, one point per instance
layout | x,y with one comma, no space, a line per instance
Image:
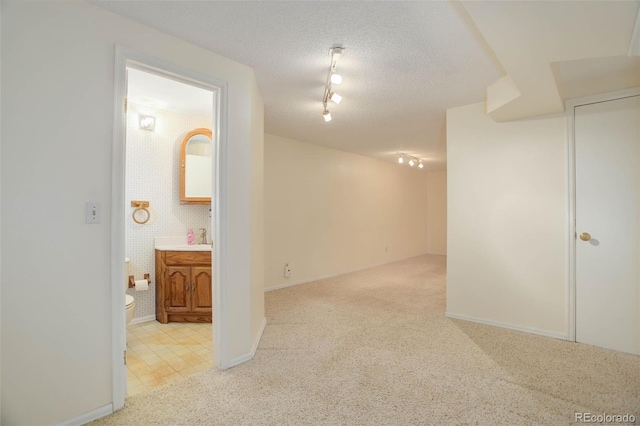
324,277
553,334
256,342
142,319
254,347
89,417
239,360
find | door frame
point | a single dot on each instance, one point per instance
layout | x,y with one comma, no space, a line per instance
125,57
570,106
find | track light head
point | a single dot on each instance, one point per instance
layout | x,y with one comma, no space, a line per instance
326,114
400,159
411,162
335,97
420,165
336,78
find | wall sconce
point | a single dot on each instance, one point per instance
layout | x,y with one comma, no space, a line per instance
410,159
147,122
332,78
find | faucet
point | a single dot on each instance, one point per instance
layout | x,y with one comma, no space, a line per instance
203,235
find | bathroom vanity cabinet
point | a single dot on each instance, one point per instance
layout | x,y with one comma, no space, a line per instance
183,286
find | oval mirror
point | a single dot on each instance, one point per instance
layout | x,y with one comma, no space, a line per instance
195,167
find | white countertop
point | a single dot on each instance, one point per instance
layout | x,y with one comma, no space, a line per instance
178,244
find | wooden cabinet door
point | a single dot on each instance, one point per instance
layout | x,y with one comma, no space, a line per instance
201,298
178,288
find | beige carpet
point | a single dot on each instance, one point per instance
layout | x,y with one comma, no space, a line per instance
373,347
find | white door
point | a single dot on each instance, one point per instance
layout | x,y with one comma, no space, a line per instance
607,141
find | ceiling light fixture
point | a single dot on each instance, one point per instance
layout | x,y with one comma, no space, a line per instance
411,160
335,53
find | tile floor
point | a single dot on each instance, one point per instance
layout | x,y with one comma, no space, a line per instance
158,354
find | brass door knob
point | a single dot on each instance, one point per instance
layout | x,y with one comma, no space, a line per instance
585,236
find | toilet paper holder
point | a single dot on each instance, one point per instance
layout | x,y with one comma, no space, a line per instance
132,280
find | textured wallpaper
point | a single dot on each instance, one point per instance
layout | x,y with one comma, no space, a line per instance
152,174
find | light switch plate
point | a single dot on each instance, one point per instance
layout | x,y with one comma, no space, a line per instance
94,213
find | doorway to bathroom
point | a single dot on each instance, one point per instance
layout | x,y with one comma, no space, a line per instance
160,109
168,155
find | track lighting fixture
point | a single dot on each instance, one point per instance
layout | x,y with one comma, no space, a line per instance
332,78
411,160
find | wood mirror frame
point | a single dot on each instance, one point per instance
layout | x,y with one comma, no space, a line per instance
183,152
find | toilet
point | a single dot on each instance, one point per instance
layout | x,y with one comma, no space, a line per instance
129,300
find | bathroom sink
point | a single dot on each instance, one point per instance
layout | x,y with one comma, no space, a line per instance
184,247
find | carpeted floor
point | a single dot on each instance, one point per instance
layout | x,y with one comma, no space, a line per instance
373,347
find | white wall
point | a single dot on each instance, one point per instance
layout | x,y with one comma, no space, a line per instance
153,174
329,212
0,212
437,212
57,114
507,220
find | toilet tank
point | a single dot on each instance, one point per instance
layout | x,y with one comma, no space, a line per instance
126,274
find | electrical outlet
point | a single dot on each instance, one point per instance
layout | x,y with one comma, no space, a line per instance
287,270
94,212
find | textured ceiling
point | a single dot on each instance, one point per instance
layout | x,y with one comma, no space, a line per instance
405,63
